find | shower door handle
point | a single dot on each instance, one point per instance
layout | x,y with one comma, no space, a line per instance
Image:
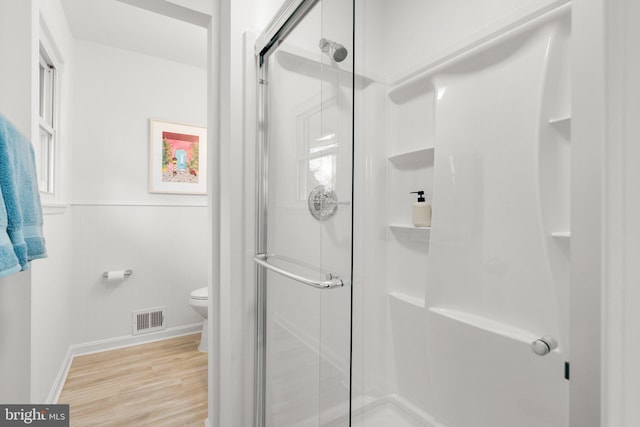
331,282
543,346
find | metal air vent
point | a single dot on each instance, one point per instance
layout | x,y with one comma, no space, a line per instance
148,320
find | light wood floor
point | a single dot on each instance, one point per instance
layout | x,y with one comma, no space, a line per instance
158,384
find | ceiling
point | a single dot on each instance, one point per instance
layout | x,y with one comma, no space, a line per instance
117,24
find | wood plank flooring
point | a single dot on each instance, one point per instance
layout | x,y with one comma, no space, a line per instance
157,384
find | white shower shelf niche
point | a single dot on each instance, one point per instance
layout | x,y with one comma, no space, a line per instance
408,299
410,227
486,324
562,125
560,121
561,235
421,156
410,232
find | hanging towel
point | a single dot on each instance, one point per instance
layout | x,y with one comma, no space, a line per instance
9,263
20,200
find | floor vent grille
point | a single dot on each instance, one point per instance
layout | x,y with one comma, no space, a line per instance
148,320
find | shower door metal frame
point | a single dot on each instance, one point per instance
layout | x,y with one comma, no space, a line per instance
289,15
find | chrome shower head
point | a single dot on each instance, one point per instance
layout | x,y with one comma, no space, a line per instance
336,51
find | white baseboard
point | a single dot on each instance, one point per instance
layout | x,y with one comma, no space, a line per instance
131,340
58,383
207,423
113,344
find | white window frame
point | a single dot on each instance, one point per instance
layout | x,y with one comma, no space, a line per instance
53,193
46,148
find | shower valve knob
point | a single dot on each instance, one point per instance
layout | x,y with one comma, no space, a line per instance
543,346
322,203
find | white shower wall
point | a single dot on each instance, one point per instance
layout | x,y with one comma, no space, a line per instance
590,52
405,358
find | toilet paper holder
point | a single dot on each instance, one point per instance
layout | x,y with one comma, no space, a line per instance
127,273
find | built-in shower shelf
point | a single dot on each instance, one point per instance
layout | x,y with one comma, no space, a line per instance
403,227
562,125
560,121
401,296
410,232
486,324
561,234
422,156
410,228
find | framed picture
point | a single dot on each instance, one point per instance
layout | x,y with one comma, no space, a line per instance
177,158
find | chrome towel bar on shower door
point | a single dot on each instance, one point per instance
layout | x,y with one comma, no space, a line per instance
327,284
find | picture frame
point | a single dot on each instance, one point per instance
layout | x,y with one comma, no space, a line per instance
177,158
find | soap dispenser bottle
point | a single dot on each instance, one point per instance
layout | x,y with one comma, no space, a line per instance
421,211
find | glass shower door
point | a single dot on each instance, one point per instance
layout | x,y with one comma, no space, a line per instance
305,220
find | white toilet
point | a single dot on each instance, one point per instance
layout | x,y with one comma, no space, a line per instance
199,300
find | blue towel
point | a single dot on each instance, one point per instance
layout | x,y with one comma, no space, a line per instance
9,263
20,203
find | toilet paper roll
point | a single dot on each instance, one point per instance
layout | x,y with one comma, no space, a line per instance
115,276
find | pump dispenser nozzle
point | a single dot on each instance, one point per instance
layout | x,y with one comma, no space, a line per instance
420,195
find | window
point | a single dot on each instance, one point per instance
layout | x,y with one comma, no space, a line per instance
45,149
317,147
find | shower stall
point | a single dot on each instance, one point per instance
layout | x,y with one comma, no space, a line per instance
364,319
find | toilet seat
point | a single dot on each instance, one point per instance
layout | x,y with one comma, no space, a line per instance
199,301
200,294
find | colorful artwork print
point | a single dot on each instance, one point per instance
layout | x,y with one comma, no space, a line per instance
180,157
175,150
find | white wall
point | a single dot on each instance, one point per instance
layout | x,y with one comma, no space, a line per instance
427,28
117,92
589,114
51,306
15,334
621,233
629,87
35,305
231,115
117,223
203,6
51,278
17,51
